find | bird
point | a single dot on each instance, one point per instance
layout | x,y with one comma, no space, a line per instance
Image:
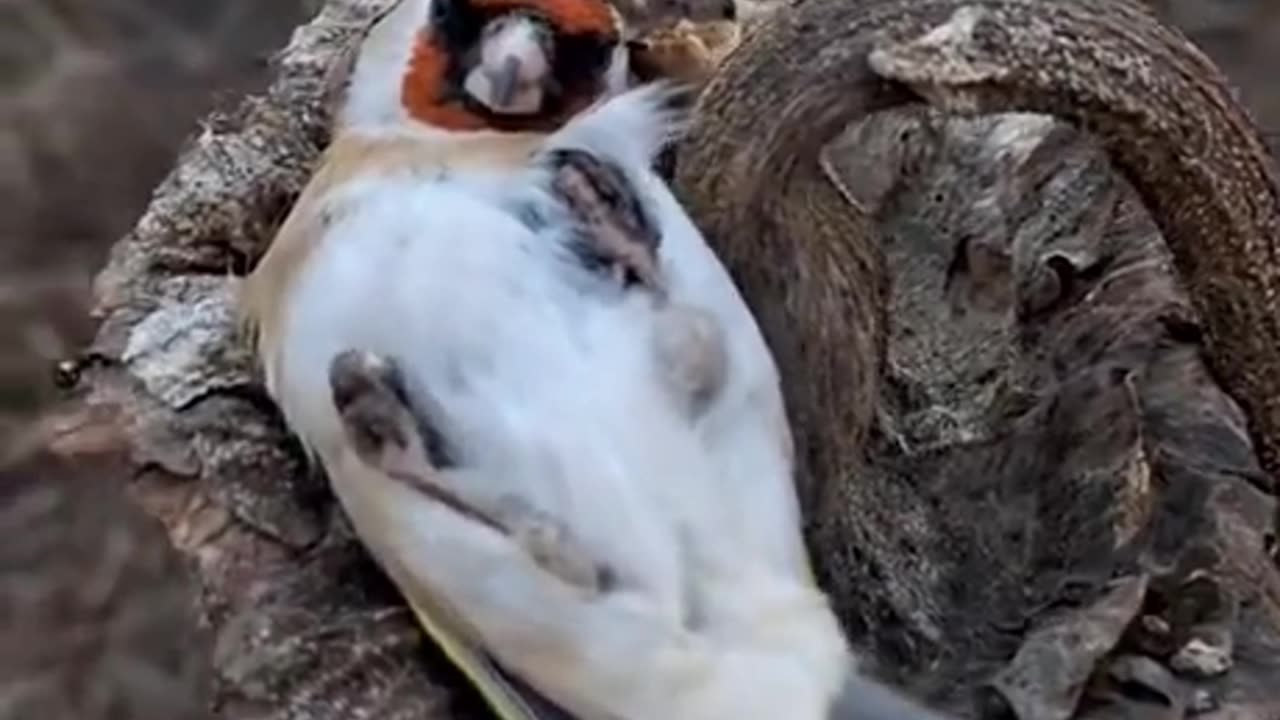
537,394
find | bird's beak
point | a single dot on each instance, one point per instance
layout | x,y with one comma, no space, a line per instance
513,70
503,81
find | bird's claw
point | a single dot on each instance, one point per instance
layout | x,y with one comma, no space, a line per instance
615,231
691,350
551,544
369,395
617,234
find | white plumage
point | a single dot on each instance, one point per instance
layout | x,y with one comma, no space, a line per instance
548,386
446,253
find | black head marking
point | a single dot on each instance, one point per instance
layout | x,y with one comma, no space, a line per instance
580,62
455,22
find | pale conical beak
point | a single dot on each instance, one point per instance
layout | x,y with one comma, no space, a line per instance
503,82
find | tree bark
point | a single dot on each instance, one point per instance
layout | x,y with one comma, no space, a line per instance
1056,491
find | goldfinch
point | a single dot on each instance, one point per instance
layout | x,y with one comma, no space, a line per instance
536,392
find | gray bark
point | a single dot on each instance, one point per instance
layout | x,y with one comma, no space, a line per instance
1056,490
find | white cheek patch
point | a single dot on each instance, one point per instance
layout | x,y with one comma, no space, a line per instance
478,86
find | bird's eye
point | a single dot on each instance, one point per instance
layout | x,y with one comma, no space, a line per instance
440,9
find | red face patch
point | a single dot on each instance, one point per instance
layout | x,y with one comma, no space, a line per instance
422,89
427,96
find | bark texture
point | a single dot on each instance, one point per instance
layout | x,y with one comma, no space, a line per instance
1055,510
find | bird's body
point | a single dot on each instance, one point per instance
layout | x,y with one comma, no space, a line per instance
545,377
642,421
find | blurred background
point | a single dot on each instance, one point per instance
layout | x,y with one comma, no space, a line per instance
96,97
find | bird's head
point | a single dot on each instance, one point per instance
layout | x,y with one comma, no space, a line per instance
510,71
489,64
